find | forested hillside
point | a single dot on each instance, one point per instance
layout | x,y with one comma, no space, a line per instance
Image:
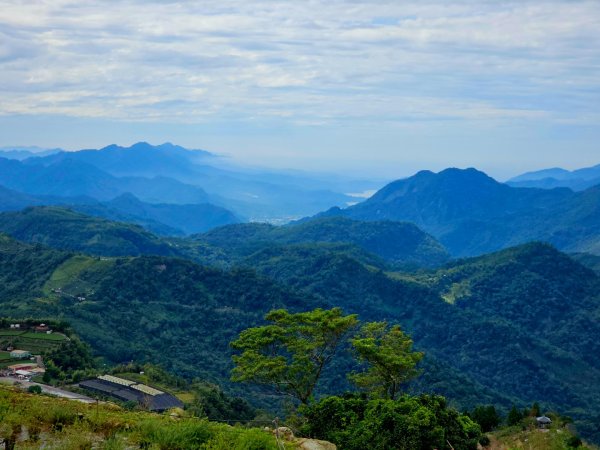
397,243
478,346
381,243
65,229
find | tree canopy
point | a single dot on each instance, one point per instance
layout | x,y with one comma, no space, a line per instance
290,353
389,355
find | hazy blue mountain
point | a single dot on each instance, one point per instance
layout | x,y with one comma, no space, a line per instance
11,200
588,260
189,219
141,159
395,242
255,193
20,153
577,180
162,218
69,178
471,213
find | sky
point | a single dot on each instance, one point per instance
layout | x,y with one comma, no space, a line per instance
372,89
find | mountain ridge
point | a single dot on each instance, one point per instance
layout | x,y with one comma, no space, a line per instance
471,213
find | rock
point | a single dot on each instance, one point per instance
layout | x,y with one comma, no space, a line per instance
314,444
284,433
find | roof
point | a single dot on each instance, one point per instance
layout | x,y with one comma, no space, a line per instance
543,419
127,390
21,352
116,380
147,389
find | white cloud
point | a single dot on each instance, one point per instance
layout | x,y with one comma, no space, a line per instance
308,62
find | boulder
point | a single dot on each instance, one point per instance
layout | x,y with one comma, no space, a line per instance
314,444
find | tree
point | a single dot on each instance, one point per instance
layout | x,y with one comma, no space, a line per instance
486,417
388,352
290,354
514,416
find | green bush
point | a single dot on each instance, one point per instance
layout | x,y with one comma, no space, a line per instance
35,389
574,442
411,423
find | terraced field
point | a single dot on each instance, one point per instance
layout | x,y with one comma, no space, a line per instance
36,343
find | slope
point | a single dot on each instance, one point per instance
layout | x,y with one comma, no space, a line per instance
183,315
470,213
62,228
521,324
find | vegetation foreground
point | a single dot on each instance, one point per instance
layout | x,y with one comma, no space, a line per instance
30,421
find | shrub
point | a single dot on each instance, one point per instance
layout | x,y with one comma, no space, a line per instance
413,423
34,389
574,442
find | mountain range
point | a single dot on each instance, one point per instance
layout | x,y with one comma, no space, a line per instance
577,180
471,213
150,252
169,173
174,191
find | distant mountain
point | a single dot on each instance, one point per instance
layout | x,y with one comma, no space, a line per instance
588,260
401,244
68,178
164,219
139,160
257,194
21,153
177,219
471,213
65,229
11,200
577,180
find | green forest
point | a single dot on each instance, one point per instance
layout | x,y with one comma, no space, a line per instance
476,320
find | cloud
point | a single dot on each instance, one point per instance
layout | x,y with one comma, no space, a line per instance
312,62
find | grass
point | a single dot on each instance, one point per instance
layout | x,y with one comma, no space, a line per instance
44,336
531,438
4,356
11,332
58,423
457,291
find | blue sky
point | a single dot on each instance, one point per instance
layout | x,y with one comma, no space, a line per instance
378,89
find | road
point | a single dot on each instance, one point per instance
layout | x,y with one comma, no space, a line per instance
49,390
